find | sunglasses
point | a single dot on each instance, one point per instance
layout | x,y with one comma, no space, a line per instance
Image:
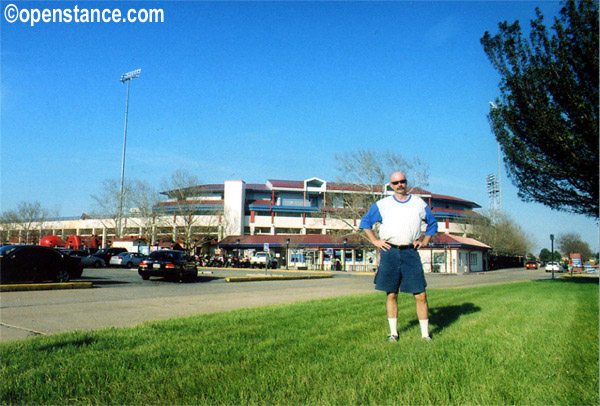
403,181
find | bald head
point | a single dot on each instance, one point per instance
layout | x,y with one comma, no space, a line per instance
396,176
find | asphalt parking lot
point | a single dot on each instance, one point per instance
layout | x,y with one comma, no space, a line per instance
120,298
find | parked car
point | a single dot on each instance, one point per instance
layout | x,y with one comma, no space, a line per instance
34,263
127,259
87,260
168,264
531,265
106,253
553,266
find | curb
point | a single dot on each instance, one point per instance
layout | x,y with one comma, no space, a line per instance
295,271
45,286
274,278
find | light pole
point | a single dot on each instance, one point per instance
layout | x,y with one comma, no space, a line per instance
552,255
126,77
344,254
287,253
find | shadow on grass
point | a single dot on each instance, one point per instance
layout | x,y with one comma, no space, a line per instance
572,279
442,317
79,342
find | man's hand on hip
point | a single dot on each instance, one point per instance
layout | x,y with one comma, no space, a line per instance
382,244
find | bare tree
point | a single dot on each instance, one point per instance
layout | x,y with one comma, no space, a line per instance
368,172
28,219
183,188
9,223
144,197
107,203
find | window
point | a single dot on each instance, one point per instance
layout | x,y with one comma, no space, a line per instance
288,230
473,258
262,230
359,255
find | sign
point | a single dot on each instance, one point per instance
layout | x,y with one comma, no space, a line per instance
576,264
329,251
266,246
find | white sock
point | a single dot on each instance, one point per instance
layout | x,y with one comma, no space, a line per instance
424,327
393,326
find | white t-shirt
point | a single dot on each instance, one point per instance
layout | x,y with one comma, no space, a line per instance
400,221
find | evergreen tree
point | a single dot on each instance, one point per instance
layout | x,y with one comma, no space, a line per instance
546,119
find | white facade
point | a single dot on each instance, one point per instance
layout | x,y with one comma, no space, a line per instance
233,207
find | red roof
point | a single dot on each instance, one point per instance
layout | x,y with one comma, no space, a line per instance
256,186
299,184
331,186
287,183
457,211
443,238
456,199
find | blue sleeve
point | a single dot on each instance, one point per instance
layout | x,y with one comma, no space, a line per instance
372,217
432,226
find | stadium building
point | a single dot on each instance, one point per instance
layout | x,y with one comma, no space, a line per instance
306,224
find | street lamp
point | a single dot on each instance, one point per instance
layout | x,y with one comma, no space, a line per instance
344,254
126,77
287,253
552,255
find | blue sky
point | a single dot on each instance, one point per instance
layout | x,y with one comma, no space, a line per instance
257,91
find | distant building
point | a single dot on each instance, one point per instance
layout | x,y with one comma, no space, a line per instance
309,223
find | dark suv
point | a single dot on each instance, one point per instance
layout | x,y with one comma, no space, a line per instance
168,264
34,263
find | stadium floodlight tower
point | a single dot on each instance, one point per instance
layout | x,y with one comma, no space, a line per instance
494,194
126,77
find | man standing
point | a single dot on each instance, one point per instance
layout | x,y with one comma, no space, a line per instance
400,265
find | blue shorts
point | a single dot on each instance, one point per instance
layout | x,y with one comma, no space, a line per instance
400,270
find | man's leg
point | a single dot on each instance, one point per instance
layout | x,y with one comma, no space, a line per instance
423,313
392,305
392,313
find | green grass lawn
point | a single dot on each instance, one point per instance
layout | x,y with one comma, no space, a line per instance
532,343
